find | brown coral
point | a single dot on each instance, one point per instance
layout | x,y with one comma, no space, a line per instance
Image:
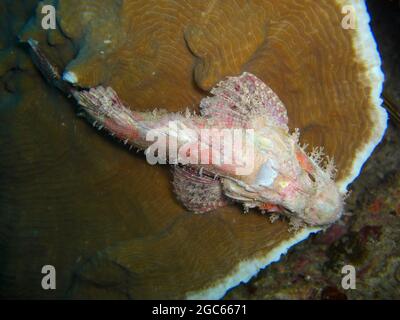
71,192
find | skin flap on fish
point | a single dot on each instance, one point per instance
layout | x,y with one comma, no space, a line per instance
280,175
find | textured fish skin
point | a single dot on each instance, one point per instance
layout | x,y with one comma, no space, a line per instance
282,176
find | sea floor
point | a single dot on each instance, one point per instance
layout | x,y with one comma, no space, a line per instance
368,237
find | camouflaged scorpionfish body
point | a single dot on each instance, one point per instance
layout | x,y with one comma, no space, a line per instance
282,176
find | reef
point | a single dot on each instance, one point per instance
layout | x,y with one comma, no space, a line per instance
109,222
366,239
368,236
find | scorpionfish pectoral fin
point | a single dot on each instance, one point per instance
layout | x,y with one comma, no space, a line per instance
238,100
198,193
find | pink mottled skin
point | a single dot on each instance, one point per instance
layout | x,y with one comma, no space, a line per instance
282,177
301,189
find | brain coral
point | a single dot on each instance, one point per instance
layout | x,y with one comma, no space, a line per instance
72,192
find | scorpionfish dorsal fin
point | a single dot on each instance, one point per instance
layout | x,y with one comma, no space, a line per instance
237,100
198,193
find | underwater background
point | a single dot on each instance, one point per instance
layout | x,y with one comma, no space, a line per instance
69,195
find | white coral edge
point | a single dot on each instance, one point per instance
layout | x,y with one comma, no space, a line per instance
366,51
